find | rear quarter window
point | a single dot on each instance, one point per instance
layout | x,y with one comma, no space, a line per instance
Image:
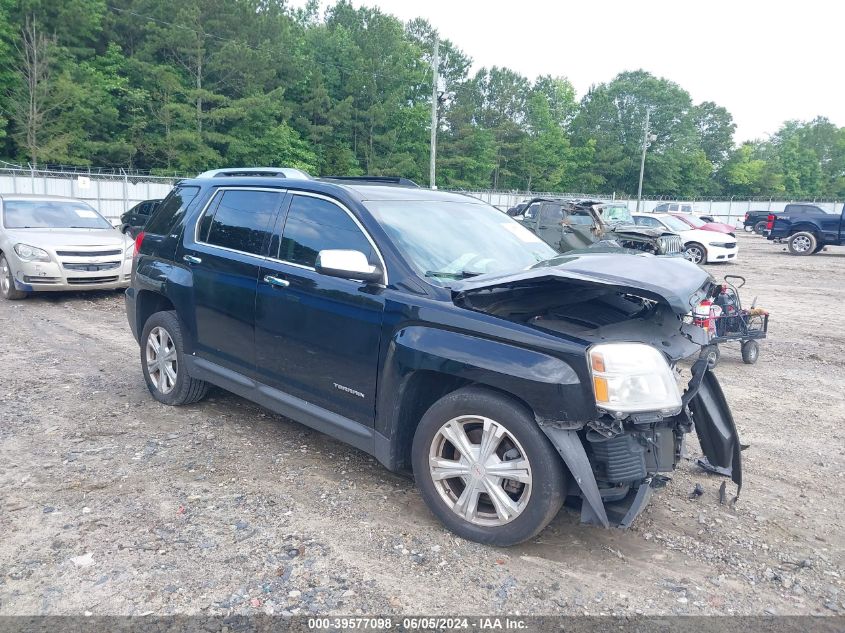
171,210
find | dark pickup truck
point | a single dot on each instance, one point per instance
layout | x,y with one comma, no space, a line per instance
807,234
440,336
756,220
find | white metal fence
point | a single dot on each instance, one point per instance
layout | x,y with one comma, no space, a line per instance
110,193
114,192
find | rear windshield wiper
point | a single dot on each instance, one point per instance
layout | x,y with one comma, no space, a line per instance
462,274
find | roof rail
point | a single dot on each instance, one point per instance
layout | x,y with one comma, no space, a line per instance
375,180
256,172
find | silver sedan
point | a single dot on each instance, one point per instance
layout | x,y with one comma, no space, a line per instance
52,243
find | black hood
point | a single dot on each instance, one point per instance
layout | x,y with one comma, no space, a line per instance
673,281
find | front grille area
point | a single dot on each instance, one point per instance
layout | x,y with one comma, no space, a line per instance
88,253
81,281
90,267
671,244
41,280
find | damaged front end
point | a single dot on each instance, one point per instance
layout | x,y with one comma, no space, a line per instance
627,311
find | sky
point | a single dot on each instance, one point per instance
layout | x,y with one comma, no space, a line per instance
766,62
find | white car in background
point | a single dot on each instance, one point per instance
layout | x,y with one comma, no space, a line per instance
700,247
53,243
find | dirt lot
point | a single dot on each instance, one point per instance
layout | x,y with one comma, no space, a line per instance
113,504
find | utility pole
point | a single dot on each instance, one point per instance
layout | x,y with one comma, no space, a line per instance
642,160
435,68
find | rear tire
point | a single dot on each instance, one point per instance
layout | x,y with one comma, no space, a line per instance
163,362
492,434
7,282
803,243
760,227
750,352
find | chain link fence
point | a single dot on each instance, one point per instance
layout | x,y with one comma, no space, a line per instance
112,192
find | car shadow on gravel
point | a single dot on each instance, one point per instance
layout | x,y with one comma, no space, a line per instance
62,296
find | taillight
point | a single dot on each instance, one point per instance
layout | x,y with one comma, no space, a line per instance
139,239
745,219
770,222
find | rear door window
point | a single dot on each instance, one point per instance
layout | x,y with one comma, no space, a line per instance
171,210
315,224
551,214
241,219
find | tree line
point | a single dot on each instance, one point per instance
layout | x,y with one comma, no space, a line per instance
188,85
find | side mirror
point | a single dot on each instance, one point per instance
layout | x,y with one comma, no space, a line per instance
347,265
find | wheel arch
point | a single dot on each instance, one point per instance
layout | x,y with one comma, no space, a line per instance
147,303
424,365
423,390
805,228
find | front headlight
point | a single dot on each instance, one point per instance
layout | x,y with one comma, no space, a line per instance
633,378
31,253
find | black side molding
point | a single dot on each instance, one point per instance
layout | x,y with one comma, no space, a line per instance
318,418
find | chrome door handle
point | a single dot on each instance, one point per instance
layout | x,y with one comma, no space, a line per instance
192,260
276,281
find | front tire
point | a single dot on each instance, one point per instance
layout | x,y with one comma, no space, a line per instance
695,253
803,243
7,282
485,468
163,362
760,227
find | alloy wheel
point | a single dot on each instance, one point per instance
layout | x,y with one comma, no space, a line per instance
162,364
801,244
694,254
480,470
4,276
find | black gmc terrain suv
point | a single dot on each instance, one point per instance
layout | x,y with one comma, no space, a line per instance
437,334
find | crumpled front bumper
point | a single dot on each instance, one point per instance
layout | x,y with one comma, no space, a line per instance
704,407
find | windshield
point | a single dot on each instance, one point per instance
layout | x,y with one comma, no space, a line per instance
51,214
616,213
675,224
452,240
696,222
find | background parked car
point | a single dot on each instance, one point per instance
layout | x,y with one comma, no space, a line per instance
700,247
756,220
134,220
571,224
54,243
698,222
809,233
680,207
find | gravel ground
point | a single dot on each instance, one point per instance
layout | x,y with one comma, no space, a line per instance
113,504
